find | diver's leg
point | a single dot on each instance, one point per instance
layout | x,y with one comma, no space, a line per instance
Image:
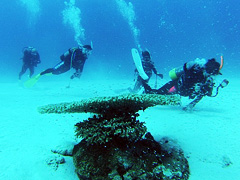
31,69
58,69
47,71
24,68
166,89
148,89
138,84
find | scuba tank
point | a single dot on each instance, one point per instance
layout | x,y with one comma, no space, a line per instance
66,55
29,48
175,73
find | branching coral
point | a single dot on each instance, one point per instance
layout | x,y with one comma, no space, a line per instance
99,130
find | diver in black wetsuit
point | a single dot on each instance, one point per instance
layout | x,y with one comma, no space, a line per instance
73,58
30,59
148,67
193,80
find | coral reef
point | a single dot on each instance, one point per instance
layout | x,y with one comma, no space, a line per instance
100,130
144,159
116,116
115,144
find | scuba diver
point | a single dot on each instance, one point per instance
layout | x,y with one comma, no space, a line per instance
30,60
148,67
74,58
193,80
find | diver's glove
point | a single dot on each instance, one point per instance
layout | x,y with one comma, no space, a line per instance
160,75
189,107
76,75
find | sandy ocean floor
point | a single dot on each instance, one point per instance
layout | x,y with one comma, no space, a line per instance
209,135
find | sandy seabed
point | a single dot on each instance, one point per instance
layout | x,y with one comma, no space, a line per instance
209,135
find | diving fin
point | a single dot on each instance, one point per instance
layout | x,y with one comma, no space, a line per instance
32,81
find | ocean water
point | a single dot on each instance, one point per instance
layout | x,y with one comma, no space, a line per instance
173,31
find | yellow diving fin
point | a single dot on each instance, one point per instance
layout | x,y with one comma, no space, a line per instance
32,81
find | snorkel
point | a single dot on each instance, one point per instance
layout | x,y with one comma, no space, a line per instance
91,44
221,65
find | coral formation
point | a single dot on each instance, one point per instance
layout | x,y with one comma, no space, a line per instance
115,144
144,159
100,129
115,104
116,116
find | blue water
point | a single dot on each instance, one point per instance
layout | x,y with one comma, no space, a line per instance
174,31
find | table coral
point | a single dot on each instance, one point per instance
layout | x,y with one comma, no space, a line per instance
115,104
115,144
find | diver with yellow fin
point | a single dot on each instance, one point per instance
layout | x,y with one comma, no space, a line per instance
74,58
194,80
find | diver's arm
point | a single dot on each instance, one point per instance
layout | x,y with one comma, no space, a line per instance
77,74
154,69
193,103
38,58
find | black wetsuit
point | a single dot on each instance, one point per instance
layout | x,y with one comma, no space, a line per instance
31,59
73,58
148,67
193,83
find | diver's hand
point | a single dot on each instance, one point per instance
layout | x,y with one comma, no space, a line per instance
160,75
189,107
72,76
76,74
